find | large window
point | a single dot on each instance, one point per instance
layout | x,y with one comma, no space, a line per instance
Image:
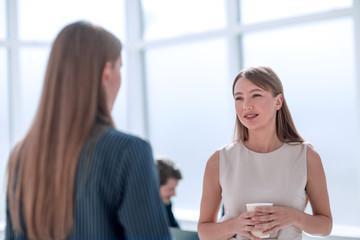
252,11
2,20
187,92
32,69
4,121
163,18
44,25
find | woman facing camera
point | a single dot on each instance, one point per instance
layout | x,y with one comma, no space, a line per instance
74,176
267,162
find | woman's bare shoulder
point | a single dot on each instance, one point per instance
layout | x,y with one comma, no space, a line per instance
213,161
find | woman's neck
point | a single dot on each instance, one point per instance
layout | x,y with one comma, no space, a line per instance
263,141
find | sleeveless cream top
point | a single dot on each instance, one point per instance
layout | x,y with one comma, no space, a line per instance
278,177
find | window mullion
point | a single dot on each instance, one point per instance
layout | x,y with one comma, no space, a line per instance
13,69
137,109
234,46
356,11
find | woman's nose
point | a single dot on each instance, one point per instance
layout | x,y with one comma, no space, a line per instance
248,106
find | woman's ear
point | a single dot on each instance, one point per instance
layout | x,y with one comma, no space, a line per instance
106,83
279,101
106,74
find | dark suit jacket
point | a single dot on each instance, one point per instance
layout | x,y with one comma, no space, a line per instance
172,220
117,191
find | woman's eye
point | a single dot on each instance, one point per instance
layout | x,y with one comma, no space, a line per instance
238,99
256,95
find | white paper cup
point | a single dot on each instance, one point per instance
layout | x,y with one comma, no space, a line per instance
251,208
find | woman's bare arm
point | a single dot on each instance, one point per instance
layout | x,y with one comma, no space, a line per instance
208,227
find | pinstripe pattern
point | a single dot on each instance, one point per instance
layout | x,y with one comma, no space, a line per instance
117,191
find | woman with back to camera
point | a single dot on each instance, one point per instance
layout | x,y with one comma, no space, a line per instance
268,162
74,176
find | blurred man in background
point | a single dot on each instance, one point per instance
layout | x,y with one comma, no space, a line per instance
169,176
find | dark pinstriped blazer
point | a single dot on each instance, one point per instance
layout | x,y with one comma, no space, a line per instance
117,191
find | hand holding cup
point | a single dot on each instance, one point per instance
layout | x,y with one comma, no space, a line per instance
251,208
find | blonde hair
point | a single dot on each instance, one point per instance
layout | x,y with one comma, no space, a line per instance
265,78
42,167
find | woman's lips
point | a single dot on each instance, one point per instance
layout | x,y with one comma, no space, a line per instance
251,116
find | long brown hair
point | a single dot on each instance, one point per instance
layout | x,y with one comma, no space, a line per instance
265,78
42,167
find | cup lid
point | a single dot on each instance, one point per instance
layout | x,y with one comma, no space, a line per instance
259,204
